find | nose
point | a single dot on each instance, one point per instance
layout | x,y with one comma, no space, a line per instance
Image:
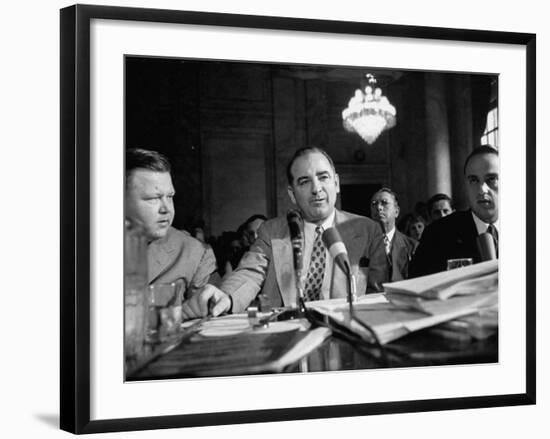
315,186
164,205
483,188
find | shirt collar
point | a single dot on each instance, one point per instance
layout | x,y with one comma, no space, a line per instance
391,234
481,226
329,222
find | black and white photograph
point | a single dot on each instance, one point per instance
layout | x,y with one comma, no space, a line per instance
291,216
308,218
273,219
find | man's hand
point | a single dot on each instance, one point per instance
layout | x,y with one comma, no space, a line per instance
210,300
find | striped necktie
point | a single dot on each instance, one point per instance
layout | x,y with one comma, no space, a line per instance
316,272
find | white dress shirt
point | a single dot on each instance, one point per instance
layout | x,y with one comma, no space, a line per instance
481,226
390,236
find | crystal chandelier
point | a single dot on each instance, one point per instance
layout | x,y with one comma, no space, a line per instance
369,113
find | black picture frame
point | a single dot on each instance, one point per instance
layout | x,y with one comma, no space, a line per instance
75,217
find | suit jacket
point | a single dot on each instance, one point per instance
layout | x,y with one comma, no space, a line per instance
268,266
451,237
180,256
402,250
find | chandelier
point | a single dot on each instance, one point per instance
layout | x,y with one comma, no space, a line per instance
369,113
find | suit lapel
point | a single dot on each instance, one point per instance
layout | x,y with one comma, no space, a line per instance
399,256
159,255
284,268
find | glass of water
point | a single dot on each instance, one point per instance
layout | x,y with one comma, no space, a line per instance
459,262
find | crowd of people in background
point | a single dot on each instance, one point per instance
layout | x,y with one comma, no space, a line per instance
231,245
413,223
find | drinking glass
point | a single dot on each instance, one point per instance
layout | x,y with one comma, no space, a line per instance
135,291
165,316
459,262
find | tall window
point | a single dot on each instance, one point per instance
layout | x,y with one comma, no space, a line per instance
490,135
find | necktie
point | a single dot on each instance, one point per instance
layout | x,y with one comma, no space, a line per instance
492,230
387,244
316,270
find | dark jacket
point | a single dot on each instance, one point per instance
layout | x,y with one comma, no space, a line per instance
451,237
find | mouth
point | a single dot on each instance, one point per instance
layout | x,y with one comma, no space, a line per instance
487,204
318,201
163,222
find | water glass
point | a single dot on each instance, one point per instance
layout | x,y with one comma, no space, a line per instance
459,262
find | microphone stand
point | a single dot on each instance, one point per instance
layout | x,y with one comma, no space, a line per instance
352,297
300,303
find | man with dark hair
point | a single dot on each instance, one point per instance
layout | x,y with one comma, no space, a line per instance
148,203
439,205
248,230
268,266
399,248
455,236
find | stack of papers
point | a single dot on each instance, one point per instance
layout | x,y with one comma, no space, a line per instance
467,280
414,304
472,289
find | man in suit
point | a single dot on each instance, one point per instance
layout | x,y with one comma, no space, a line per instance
148,202
455,236
267,268
399,248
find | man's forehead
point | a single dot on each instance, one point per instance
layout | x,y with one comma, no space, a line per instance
148,174
311,161
147,178
483,163
383,195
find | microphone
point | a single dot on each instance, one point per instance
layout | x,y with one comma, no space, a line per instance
337,249
295,225
486,246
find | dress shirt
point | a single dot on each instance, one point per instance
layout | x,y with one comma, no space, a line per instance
481,226
390,236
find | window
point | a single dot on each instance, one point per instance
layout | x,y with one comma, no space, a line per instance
490,135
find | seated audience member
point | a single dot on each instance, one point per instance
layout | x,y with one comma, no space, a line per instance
439,205
455,236
399,248
267,268
416,227
249,230
229,251
241,242
197,232
148,202
421,210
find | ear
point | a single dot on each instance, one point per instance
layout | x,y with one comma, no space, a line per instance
291,194
397,211
337,182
